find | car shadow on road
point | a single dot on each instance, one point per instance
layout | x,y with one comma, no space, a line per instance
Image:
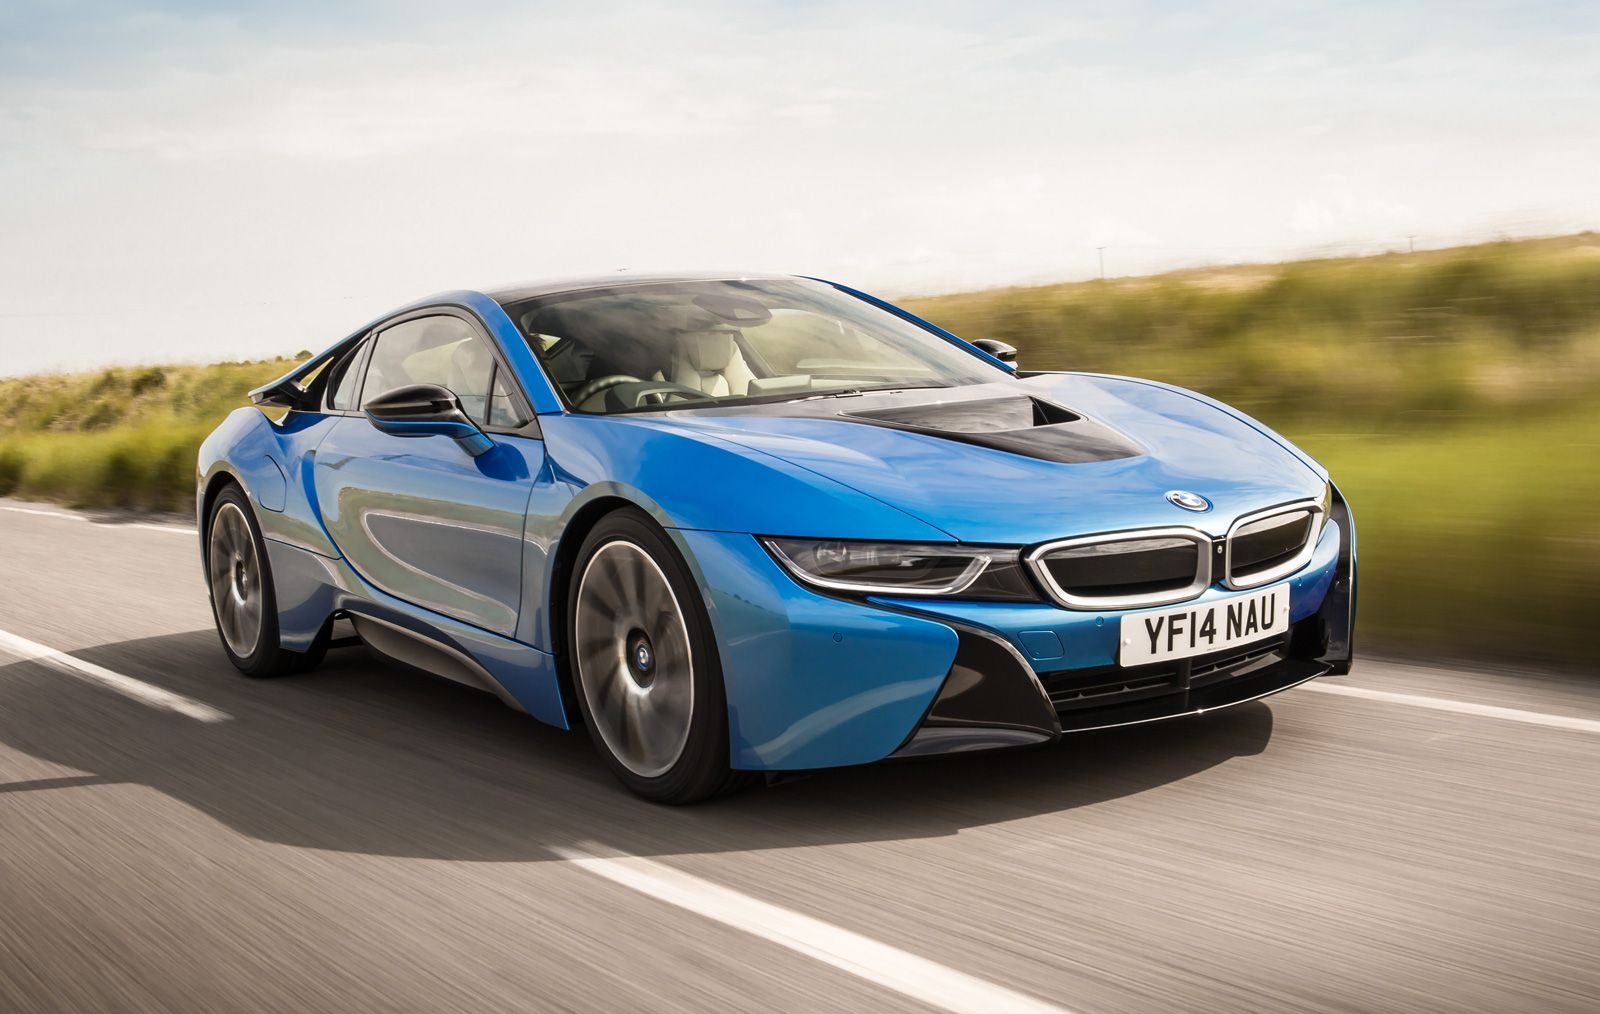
359,757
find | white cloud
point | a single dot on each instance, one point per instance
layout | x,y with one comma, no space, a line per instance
220,187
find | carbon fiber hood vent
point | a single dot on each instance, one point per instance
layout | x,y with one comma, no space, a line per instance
1027,426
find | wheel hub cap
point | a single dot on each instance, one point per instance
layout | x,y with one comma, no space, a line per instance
641,658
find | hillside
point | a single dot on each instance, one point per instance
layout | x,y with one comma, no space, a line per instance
1372,341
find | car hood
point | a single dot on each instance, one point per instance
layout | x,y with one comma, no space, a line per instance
1129,443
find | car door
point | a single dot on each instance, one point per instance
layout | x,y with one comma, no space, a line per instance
418,517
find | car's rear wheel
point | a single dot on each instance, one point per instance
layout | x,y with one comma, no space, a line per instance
645,665
243,600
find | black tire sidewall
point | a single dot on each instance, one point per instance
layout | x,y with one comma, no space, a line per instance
703,767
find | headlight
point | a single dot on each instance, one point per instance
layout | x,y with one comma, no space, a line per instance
905,568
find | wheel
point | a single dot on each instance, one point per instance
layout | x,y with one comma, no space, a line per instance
242,599
644,663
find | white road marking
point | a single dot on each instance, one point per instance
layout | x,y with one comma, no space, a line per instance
140,691
905,973
42,514
1460,707
64,516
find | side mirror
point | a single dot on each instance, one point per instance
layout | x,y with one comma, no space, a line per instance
427,410
1000,350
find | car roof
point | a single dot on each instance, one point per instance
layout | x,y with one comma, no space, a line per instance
521,291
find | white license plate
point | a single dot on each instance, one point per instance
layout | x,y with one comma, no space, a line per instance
1163,634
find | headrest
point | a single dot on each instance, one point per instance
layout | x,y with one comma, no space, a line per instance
469,354
708,351
469,364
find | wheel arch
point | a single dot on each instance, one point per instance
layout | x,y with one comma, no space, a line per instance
564,560
219,480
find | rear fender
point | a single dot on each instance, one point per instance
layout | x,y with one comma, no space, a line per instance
270,462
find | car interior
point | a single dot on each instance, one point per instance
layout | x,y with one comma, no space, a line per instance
623,350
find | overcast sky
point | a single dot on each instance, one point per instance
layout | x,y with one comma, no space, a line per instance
195,181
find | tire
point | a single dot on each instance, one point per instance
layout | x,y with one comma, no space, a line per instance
644,665
243,601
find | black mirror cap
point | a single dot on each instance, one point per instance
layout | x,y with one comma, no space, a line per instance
426,410
417,403
1000,350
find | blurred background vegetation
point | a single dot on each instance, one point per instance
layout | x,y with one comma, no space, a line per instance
1454,394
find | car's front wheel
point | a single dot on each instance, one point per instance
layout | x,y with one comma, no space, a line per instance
243,600
645,665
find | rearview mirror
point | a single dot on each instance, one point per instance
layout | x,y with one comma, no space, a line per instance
1000,350
427,410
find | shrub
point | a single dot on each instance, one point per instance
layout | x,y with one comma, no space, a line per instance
11,467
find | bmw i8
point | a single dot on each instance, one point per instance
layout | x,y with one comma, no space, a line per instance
759,523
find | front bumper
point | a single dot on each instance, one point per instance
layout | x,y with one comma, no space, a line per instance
996,697
814,681
993,699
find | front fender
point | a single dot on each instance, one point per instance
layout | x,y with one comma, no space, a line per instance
697,480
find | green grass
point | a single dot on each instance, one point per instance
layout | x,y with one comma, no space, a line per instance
1455,395
122,437
1476,539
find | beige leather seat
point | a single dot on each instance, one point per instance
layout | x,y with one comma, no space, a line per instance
710,361
471,365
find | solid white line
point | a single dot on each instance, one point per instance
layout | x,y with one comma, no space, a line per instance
142,692
42,514
1460,707
905,973
64,516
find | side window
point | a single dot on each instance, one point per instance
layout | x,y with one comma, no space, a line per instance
347,380
445,351
501,410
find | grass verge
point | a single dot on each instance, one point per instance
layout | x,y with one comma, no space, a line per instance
1476,539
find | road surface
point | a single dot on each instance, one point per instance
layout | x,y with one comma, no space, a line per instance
176,837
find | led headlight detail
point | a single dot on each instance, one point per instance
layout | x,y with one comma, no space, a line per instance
904,568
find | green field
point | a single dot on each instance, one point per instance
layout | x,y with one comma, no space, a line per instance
1455,395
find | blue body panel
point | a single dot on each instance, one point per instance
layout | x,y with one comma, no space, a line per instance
812,681
976,494
429,523
464,550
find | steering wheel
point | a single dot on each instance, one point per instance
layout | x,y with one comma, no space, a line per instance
599,384
659,390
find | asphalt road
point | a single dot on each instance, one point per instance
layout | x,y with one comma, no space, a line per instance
361,839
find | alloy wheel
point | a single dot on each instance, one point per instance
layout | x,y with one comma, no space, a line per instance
235,572
635,665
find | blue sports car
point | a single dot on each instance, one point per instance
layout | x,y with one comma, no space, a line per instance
762,523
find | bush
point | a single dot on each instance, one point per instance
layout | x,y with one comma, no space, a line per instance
11,466
151,379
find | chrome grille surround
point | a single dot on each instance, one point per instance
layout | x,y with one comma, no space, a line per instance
1037,558
1281,570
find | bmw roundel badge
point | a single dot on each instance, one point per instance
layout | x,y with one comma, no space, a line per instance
1188,501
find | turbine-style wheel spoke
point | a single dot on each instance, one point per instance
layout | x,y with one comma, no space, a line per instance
235,572
635,667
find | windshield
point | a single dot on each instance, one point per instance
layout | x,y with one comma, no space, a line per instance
682,344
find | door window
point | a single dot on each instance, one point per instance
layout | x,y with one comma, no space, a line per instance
445,351
347,381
